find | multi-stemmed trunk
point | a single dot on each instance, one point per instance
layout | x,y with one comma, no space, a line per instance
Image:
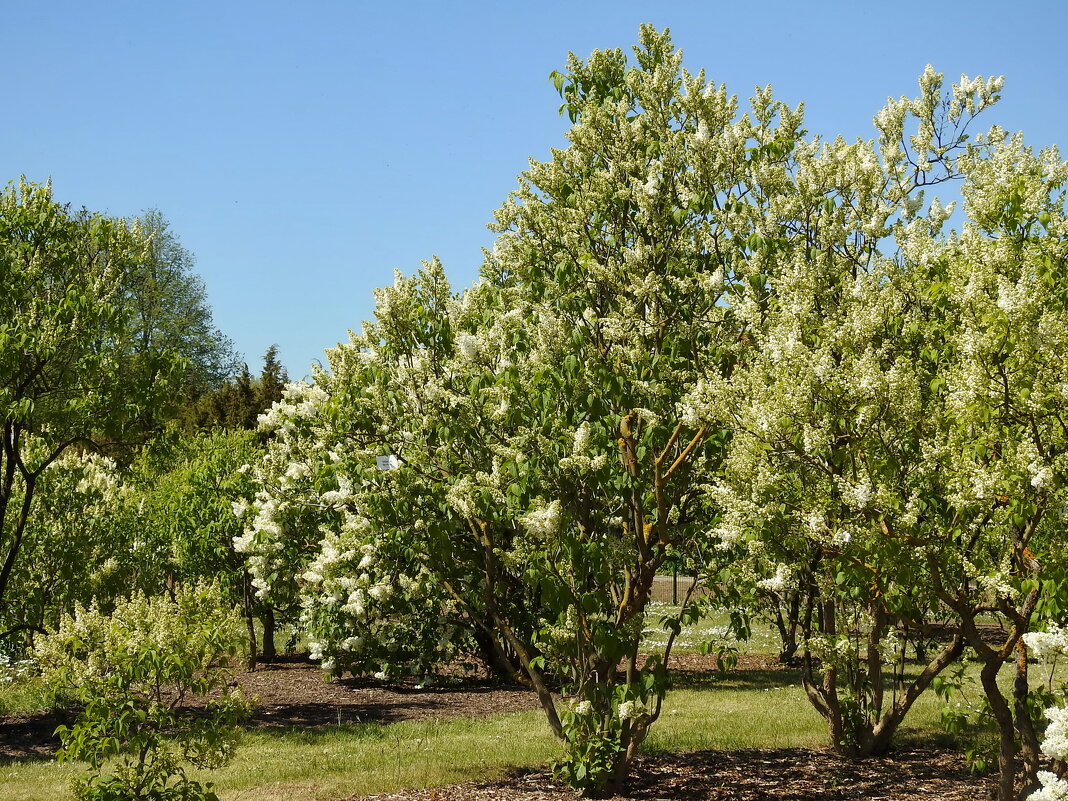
864,727
1018,744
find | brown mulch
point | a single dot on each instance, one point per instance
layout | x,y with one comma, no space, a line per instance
294,693
29,737
786,774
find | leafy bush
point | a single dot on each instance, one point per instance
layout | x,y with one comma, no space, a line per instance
151,683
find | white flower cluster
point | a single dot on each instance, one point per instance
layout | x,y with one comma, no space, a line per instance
12,670
1053,788
631,710
1055,744
544,522
300,400
1052,642
778,582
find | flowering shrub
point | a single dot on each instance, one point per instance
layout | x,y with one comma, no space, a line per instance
596,729
77,545
1048,645
134,673
895,414
699,338
544,474
368,603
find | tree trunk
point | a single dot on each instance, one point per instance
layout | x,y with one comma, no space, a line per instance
250,620
250,627
493,657
787,624
1029,747
879,741
999,707
267,649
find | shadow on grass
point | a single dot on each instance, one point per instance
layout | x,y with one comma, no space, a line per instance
736,679
30,738
334,716
310,735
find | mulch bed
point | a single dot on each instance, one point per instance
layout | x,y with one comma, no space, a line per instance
292,693
787,774
29,737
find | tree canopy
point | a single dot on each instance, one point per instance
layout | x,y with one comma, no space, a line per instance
701,335
101,324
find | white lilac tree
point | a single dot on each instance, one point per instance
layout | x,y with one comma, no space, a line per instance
545,471
1005,442
896,428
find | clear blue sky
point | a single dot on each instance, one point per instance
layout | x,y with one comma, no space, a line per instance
302,151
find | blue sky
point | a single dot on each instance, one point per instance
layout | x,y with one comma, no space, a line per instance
302,151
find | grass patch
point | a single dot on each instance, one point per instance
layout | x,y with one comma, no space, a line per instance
732,718
340,761
376,758
708,634
33,781
24,695
738,710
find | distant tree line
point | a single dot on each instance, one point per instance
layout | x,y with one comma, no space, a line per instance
236,401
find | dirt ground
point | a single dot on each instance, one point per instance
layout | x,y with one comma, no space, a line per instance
293,693
789,774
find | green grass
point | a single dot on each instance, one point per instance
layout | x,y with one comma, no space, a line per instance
710,632
24,695
340,761
750,709
736,715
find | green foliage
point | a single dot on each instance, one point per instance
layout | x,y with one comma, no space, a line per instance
101,531
700,337
82,544
273,378
237,401
102,323
67,350
134,674
185,488
169,309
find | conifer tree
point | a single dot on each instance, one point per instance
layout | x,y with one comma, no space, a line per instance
273,378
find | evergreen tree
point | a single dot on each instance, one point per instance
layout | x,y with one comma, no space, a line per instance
237,402
273,378
245,408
